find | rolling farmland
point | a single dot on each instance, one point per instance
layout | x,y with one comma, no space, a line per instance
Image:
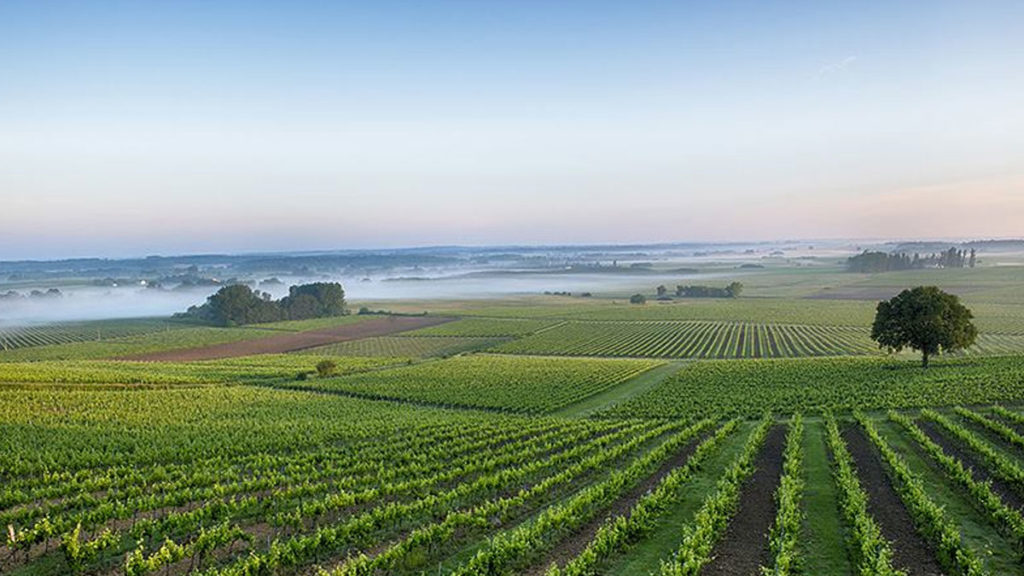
511,288
710,438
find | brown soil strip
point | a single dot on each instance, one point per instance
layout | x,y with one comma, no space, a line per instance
744,547
292,341
978,470
910,551
577,542
991,436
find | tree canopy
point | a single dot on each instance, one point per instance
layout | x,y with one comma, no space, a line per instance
733,290
238,304
873,262
924,319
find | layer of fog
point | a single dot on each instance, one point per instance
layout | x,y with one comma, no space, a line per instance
471,279
96,303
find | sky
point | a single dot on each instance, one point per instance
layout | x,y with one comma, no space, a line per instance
135,128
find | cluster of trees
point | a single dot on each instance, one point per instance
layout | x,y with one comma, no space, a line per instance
12,295
239,304
871,262
732,290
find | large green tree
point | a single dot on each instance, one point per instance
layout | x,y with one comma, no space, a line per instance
925,319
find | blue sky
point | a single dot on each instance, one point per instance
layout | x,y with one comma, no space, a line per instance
132,128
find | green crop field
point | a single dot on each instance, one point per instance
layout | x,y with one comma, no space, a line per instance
270,367
517,384
693,340
547,436
406,346
749,387
62,333
717,340
487,327
190,337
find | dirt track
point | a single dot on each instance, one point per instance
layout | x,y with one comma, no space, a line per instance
910,552
292,341
743,548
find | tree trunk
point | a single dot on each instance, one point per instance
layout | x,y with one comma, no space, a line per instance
924,359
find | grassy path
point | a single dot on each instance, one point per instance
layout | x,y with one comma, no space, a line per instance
646,556
823,541
621,392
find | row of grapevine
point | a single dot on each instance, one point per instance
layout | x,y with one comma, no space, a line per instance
263,368
930,519
1003,516
1001,467
511,550
784,537
727,387
711,520
406,346
616,535
508,383
310,495
693,339
13,337
356,531
872,552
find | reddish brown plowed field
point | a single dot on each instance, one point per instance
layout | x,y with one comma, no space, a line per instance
293,341
744,547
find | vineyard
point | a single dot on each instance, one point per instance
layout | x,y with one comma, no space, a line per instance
406,346
746,437
748,387
717,340
265,368
243,480
179,338
487,327
507,383
12,337
693,340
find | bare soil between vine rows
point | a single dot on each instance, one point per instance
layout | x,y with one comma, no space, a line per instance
910,552
744,547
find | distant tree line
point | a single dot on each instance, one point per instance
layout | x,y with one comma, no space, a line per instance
12,295
871,262
732,290
238,304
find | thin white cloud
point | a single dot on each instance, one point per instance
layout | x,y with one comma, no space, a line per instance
834,67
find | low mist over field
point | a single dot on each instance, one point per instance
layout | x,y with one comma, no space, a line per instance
39,292
160,287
